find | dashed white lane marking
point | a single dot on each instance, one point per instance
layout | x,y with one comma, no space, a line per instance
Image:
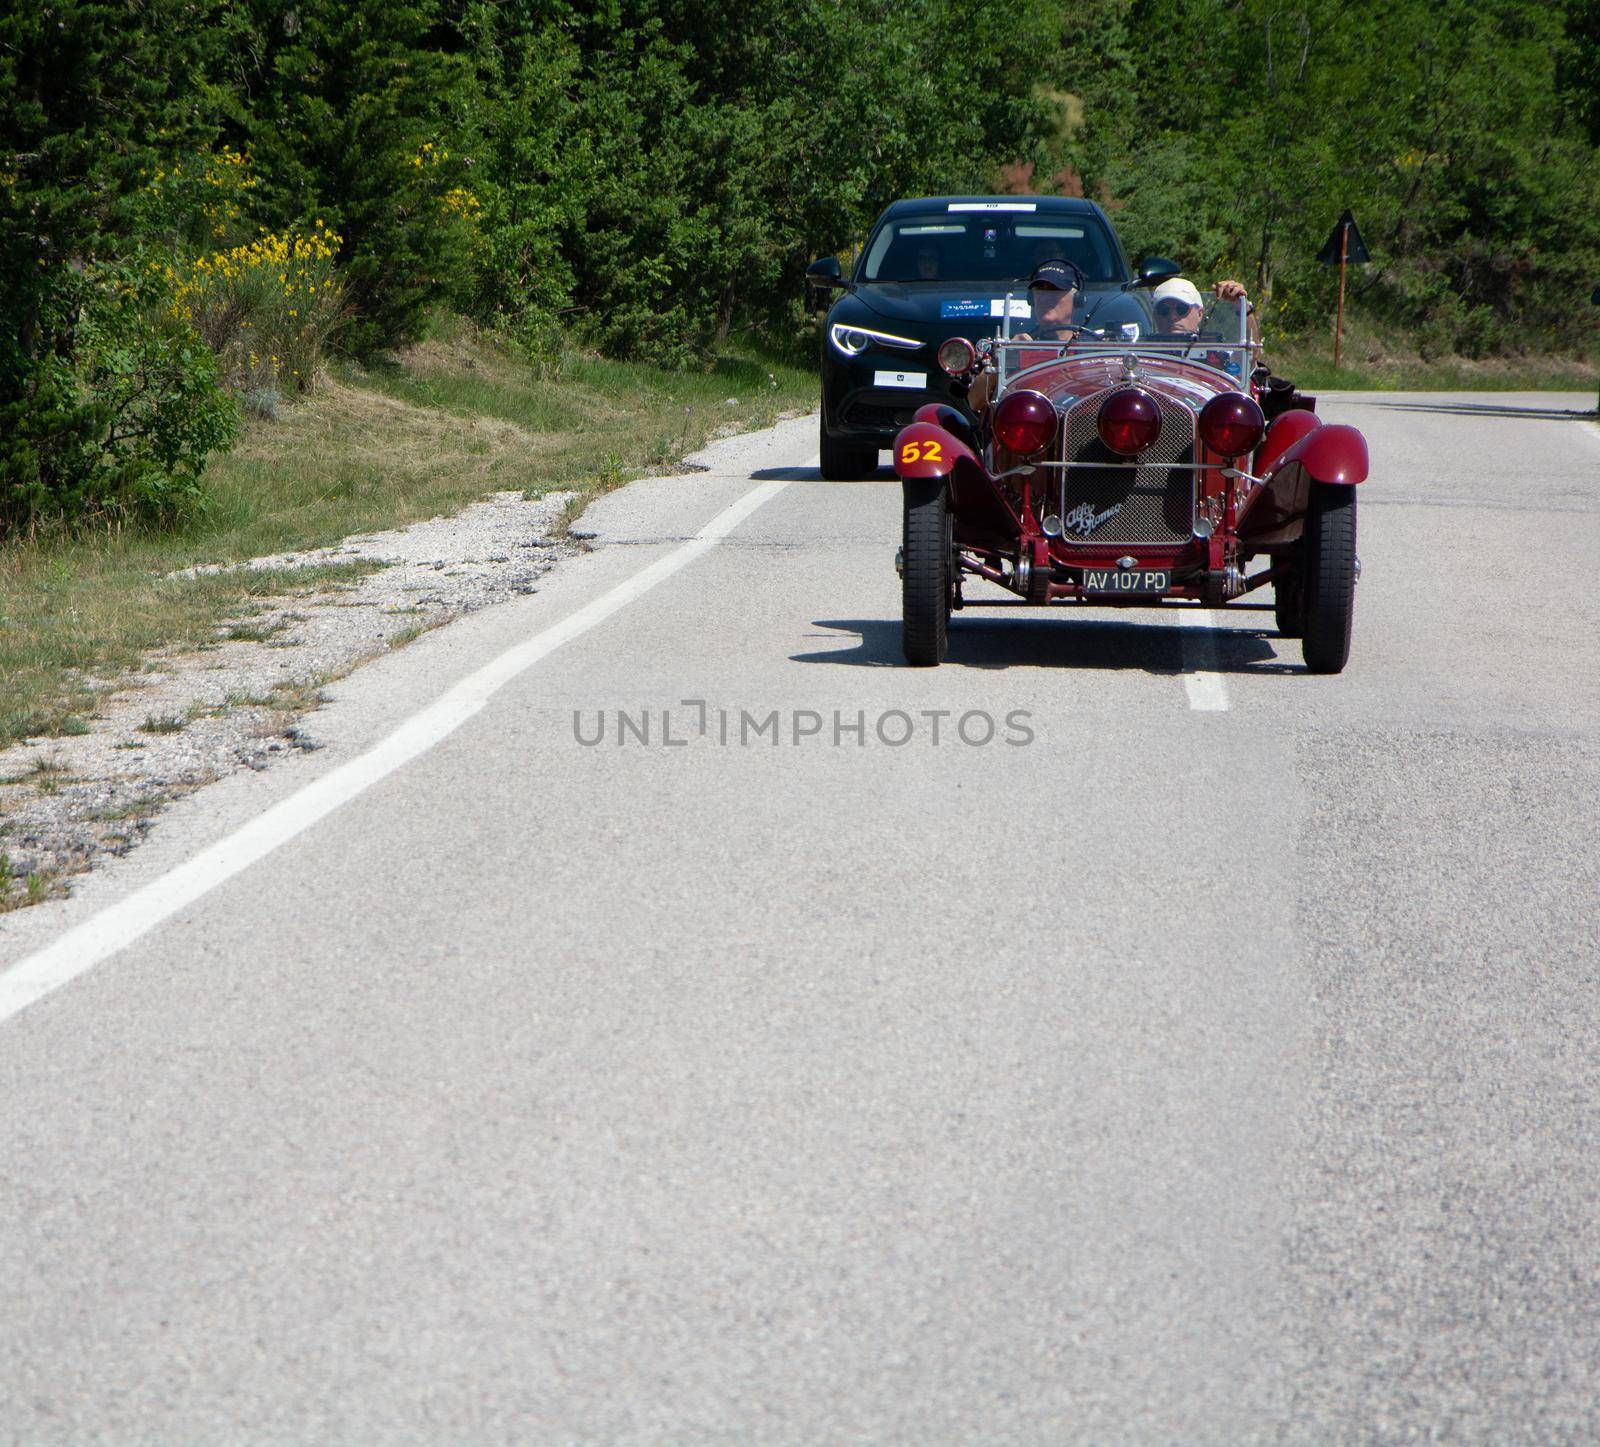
119,925
1203,681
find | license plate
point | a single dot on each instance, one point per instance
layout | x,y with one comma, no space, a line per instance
1126,580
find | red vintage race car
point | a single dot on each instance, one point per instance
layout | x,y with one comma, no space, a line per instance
1131,470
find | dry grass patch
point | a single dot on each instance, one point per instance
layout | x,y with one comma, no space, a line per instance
451,420
78,614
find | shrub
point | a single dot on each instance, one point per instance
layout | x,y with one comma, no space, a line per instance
118,430
351,118
266,307
201,200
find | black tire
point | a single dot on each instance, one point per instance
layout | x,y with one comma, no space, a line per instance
1288,606
925,573
1329,577
842,462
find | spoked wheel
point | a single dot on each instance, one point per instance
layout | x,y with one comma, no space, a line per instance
843,463
926,572
1288,605
1329,577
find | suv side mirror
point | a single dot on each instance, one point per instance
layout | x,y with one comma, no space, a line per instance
1595,299
825,273
1154,270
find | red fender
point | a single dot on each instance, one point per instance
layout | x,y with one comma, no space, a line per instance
934,412
925,449
1287,430
1322,452
1330,453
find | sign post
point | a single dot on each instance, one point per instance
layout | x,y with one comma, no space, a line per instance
1338,324
1344,245
1594,300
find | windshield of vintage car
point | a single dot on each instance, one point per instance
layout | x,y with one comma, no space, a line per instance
1219,322
988,246
1219,341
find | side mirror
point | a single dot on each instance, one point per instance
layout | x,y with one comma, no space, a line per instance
1154,270
826,274
1595,299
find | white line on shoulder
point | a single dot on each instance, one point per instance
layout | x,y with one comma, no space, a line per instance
120,924
1208,692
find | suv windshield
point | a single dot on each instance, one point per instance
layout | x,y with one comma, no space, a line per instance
988,245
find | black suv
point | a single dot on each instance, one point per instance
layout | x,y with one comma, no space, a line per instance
939,267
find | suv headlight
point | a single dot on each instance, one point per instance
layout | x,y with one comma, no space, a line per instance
852,341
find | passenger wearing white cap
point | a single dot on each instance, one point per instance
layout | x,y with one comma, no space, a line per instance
1178,306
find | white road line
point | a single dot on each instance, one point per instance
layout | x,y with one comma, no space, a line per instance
80,949
1203,682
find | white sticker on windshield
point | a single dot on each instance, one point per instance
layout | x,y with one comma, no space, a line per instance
993,206
1019,308
899,379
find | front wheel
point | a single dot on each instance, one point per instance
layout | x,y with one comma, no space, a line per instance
1329,577
926,572
842,462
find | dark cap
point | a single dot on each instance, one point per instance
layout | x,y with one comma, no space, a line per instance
1062,275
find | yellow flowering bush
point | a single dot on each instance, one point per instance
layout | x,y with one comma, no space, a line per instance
459,201
265,307
265,304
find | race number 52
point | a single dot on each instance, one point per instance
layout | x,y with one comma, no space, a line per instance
922,452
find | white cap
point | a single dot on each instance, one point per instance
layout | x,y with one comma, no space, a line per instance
1176,288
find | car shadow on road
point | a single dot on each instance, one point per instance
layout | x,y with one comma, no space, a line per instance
977,641
1480,409
813,473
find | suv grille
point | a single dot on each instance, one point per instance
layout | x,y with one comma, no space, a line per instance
1151,503
888,410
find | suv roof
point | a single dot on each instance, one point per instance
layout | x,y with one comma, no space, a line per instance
1069,204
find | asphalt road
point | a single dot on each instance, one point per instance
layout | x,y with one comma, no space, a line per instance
1213,1054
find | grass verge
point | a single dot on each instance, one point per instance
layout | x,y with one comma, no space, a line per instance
452,419
1372,359
75,615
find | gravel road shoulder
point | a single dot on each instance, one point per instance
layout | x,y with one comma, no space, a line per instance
191,717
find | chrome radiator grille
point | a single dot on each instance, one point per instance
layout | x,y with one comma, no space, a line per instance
1151,503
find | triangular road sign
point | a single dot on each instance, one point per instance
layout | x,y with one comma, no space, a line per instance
1356,251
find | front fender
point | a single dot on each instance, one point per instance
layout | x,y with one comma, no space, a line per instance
924,449
1286,430
1330,453
954,421
1326,452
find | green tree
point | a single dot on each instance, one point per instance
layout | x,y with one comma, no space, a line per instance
349,110
97,98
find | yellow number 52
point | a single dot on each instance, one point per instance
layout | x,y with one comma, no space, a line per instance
922,452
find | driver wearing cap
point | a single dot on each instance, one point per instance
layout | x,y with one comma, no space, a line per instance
1053,292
